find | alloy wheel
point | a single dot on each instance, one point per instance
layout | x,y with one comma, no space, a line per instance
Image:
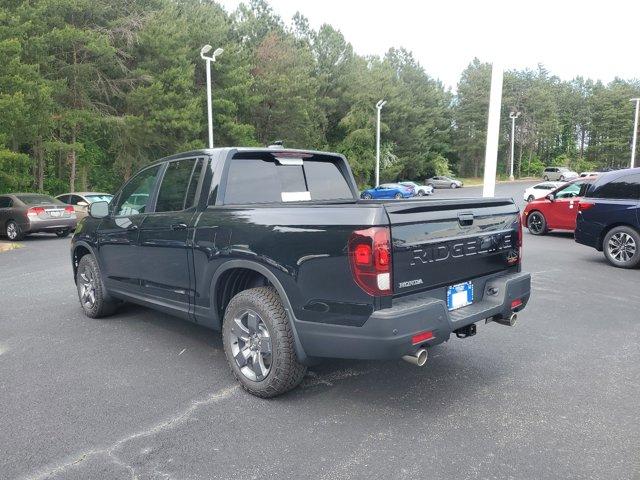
87,288
251,345
12,231
535,223
622,247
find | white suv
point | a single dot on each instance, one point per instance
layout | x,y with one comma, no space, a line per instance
558,173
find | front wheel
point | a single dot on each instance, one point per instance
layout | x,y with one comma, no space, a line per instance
13,231
397,196
367,196
421,193
259,343
537,224
530,198
545,178
622,247
94,299
562,178
453,185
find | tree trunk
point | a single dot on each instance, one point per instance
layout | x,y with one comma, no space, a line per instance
72,160
582,140
38,152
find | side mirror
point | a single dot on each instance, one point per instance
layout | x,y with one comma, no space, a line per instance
99,209
550,197
82,204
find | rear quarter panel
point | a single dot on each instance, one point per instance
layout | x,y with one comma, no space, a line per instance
305,247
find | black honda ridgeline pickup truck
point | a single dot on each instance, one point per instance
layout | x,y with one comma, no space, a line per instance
273,247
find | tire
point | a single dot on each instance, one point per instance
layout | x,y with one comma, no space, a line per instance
94,299
63,233
621,247
537,224
13,231
545,178
530,198
453,185
431,185
367,196
421,193
562,178
256,329
398,196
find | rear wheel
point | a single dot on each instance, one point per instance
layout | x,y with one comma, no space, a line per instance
367,196
421,193
537,224
13,231
259,343
562,178
397,196
63,233
545,178
453,185
94,299
622,247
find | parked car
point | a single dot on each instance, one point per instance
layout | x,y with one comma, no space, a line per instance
443,182
420,190
274,248
25,213
557,210
558,173
81,201
540,190
609,217
589,174
387,190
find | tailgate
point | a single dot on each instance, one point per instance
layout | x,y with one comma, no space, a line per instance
443,242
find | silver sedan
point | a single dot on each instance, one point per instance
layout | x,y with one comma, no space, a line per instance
25,213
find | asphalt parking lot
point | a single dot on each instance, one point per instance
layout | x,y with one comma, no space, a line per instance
143,395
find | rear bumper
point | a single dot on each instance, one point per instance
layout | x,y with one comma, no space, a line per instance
387,333
50,225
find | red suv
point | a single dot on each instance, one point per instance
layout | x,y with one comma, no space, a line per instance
557,210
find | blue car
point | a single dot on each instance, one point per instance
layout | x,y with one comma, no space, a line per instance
609,217
387,190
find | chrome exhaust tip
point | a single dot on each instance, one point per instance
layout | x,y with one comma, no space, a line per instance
509,321
419,359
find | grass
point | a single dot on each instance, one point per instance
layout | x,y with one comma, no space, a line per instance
6,246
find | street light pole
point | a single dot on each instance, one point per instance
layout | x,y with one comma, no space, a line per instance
493,131
513,116
203,51
635,133
379,106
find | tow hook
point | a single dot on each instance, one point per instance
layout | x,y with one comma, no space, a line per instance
419,358
464,332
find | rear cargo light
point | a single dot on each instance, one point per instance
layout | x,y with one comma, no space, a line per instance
68,209
370,260
582,205
35,211
421,337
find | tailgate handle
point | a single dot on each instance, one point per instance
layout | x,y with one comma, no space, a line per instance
465,219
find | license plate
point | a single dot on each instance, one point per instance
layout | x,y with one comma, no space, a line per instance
54,213
459,295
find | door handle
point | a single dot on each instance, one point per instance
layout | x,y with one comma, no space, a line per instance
179,226
132,227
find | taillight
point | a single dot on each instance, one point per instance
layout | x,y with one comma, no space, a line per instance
582,205
35,211
511,259
68,209
370,260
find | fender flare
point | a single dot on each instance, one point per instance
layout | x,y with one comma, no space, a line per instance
269,275
80,243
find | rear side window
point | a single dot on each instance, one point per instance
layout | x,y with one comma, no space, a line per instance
179,184
625,188
5,202
265,180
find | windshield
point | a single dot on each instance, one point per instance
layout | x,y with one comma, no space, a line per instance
98,198
36,199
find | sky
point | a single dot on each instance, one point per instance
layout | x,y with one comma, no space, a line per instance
595,39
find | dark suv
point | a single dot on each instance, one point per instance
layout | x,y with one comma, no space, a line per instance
609,217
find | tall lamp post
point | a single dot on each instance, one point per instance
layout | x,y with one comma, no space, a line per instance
635,133
379,106
203,51
512,116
